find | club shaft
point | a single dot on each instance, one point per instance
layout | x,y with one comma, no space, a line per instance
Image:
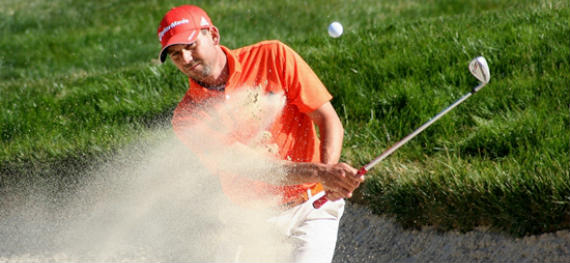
399,144
318,203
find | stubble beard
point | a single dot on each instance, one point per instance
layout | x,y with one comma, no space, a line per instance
206,71
201,75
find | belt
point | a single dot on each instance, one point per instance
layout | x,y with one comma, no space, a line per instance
304,196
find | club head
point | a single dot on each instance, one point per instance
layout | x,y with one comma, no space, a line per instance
479,68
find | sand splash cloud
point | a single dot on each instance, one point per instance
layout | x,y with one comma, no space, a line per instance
154,201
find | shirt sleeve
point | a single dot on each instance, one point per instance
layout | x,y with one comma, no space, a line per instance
304,88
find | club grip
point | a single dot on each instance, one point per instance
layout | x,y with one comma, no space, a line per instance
321,201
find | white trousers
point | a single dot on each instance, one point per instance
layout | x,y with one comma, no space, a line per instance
313,232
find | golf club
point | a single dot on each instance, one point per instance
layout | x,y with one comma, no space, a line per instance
479,68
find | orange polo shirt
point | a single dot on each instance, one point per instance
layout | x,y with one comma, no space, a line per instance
276,68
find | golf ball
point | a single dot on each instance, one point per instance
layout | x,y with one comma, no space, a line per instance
335,29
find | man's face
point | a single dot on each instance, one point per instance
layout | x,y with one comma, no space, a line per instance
197,59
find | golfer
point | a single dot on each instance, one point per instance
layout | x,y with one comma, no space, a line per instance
192,42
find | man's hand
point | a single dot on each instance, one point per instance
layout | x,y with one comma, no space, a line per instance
339,180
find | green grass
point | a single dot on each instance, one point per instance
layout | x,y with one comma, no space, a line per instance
80,80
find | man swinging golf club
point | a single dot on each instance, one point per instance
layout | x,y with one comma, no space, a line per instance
188,36
314,178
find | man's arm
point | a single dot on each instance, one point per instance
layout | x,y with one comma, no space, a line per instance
331,132
338,179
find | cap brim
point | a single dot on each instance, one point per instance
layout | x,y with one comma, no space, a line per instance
187,37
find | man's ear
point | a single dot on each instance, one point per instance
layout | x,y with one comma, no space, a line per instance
215,35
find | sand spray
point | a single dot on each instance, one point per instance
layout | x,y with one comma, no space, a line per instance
153,201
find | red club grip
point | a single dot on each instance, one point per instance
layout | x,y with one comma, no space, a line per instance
321,201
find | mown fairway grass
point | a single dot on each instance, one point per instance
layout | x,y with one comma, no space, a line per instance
79,80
